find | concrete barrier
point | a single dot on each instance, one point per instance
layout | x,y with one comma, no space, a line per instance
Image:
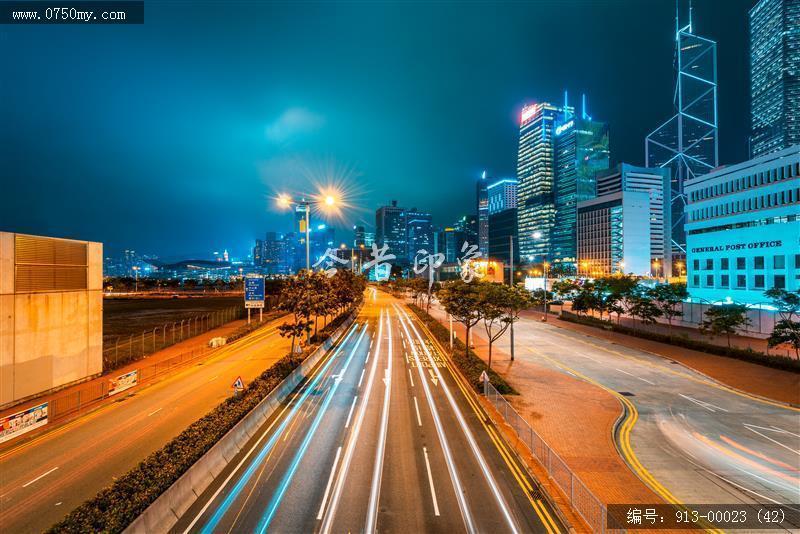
165,511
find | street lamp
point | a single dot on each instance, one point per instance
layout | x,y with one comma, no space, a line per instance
538,235
136,273
285,201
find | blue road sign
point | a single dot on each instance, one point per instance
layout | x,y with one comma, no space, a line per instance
254,292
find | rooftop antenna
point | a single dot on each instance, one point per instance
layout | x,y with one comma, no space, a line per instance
690,16
583,105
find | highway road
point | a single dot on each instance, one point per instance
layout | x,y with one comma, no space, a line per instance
381,436
42,480
691,439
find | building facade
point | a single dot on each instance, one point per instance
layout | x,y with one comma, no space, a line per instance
774,76
535,174
482,211
614,234
743,229
51,314
656,183
502,195
390,230
419,232
502,230
581,150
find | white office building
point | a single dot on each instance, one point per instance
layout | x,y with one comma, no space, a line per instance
614,234
743,229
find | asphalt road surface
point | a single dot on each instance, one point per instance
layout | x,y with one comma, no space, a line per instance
693,440
43,479
380,437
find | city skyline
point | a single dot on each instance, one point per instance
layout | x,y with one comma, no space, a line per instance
292,129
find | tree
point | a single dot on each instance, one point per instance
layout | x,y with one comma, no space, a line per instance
787,303
298,299
462,301
725,319
641,305
617,289
565,288
418,287
667,297
786,331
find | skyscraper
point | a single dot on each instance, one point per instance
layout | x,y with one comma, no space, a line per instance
535,174
774,76
687,142
581,149
258,253
419,232
390,230
502,195
482,195
358,236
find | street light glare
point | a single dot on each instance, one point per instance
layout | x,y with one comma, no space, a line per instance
284,201
537,235
330,200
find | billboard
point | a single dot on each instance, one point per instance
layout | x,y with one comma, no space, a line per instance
123,382
18,423
254,291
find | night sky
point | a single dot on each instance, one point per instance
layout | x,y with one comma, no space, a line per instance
172,137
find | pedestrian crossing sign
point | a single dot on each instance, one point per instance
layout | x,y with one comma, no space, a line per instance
238,385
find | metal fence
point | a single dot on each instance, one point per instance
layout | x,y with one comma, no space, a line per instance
92,392
127,349
590,508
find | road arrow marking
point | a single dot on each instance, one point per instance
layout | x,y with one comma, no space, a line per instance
433,377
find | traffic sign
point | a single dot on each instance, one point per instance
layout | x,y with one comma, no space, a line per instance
254,291
238,385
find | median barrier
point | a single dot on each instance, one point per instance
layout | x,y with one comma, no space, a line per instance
165,511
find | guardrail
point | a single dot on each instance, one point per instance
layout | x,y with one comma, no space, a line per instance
590,508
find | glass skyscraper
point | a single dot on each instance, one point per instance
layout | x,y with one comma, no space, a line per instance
482,198
581,150
535,174
687,142
774,76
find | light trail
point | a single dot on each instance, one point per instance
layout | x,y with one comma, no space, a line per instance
467,432
223,508
327,521
277,498
437,423
377,471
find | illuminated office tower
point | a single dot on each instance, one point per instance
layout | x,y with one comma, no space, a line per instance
535,174
419,232
482,195
687,142
390,230
774,76
581,150
502,195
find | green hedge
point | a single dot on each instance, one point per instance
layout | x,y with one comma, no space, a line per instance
118,505
469,363
749,355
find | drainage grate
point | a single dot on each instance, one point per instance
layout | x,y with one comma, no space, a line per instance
627,394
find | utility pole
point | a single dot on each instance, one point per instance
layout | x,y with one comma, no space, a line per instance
511,283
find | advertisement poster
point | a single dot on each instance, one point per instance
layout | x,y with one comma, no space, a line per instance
123,382
16,424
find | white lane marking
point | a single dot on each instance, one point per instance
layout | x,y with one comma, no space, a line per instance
463,506
430,478
275,421
626,372
155,412
362,376
752,428
467,433
646,380
377,470
59,503
411,376
349,415
38,478
792,489
371,341
784,431
707,405
416,407
211,380
338,486
330,479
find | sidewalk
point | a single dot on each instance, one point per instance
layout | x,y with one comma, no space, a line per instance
555,405
761,380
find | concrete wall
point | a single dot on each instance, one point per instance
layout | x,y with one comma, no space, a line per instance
48,339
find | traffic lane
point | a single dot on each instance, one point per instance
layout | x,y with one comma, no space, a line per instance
238,498
349,500
497,498
418,494
115,438
700,426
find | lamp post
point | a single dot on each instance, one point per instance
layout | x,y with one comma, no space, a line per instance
286,201
511,283
136,274
538,235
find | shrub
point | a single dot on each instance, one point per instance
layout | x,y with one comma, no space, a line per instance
468,363
749,355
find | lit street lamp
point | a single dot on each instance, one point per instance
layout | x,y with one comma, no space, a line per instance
285,201
136,273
